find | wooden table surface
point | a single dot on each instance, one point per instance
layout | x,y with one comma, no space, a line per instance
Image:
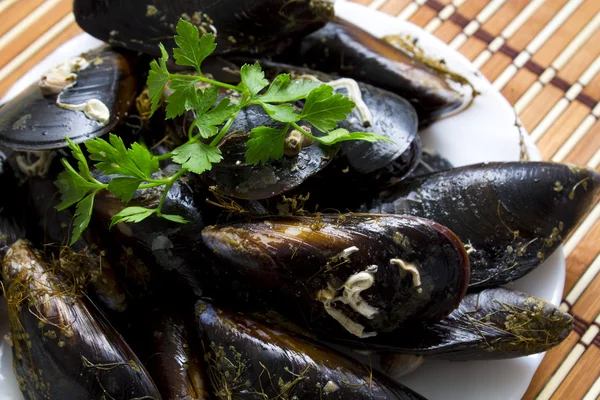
543,55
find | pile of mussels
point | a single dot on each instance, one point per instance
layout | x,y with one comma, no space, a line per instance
402,260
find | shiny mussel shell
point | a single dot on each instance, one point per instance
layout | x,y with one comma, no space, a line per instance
246,358
511,216
493,324
377,111
242,26
347,50
62,346
235,178
365,273
104,82
164,337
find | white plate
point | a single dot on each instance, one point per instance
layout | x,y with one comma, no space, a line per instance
484,132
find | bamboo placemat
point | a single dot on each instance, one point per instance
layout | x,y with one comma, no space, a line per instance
543,55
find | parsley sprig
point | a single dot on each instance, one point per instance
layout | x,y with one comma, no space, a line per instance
132,168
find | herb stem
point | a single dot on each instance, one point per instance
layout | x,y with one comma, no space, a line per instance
207,80
304,132
225,129
168,185
165,156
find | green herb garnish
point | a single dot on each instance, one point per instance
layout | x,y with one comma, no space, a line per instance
133,167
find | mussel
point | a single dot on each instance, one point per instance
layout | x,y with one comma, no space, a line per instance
510,216
246,358
164,338
359,273
348,51
61,344
242,26
160,244
82,98
492,324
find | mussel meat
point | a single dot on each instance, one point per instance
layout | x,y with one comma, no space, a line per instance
82,98
240,26
245,357
362,273
510,216
61,344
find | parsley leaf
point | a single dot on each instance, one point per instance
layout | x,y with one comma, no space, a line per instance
157,78
114,159
124,187
282,112
71,186
182,99
208,123
193,49
206,99
197,156
83,214
323,109
341,135
265,144
283,91
254,78
132,214
175,218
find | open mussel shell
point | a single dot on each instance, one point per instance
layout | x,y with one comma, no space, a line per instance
241,26
235,178
244,357
101,85
510,216
62,346
360,273
345,49
495,323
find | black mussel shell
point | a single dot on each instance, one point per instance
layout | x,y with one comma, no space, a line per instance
34,121
430,162
235,178
240,26
164,338
161,244
510,216
246,358
345,49
496,323
357,272
62,346
12,212
377,111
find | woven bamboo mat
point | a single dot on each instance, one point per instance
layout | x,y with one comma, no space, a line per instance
543,55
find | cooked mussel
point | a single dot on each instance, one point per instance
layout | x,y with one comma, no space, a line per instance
162,245
357,272
246,358
235,178
510,216
82,98
377,111
492,324
241,26
165,340
62,346
347,50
